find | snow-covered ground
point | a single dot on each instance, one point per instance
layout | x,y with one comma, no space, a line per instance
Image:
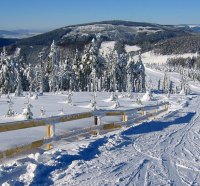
151,57
133,48
160,152
147,57
106,47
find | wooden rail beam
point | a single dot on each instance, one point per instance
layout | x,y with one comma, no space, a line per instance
42,122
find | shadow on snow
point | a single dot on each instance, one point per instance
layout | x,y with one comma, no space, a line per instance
42,174
62,161
154,126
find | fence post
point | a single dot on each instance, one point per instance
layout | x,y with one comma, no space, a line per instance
166,107
97,121
124,117
50,133
143,112
53,131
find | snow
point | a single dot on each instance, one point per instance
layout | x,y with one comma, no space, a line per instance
147,29
91,28
17,52
106,47
194,25
130,48
151,57
146,97
164,151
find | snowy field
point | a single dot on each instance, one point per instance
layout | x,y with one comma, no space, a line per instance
160,152
151,57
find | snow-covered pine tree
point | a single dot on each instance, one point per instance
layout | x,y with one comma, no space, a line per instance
121,72
135,75
165,83
53,68
170,90
93,103
93,66
42,111
10,111
130,75
27,113
61,111
19,89
40,74
30,76
159,84
187,89
140,77
69,97
112,96
116,104
7,73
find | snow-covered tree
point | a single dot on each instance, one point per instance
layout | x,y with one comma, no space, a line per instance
30,76
53,68
27,113
165,83
40,74
10,111
42,111
19,89
93,103
159,84
69,97
116,104
170,90
135,75
7,73
93,66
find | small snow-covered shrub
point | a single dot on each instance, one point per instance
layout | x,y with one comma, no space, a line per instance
27,113
147,96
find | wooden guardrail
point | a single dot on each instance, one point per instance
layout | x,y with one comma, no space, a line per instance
10,126
50,123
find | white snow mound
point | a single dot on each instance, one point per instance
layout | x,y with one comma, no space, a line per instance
147,97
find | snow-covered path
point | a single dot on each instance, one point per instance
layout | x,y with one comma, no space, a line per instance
162,152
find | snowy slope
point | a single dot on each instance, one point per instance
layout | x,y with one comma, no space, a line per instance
151,57
160,152
133,48
106,47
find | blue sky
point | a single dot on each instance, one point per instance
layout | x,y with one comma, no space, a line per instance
50,14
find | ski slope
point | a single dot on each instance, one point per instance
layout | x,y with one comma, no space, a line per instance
161,152
165,151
